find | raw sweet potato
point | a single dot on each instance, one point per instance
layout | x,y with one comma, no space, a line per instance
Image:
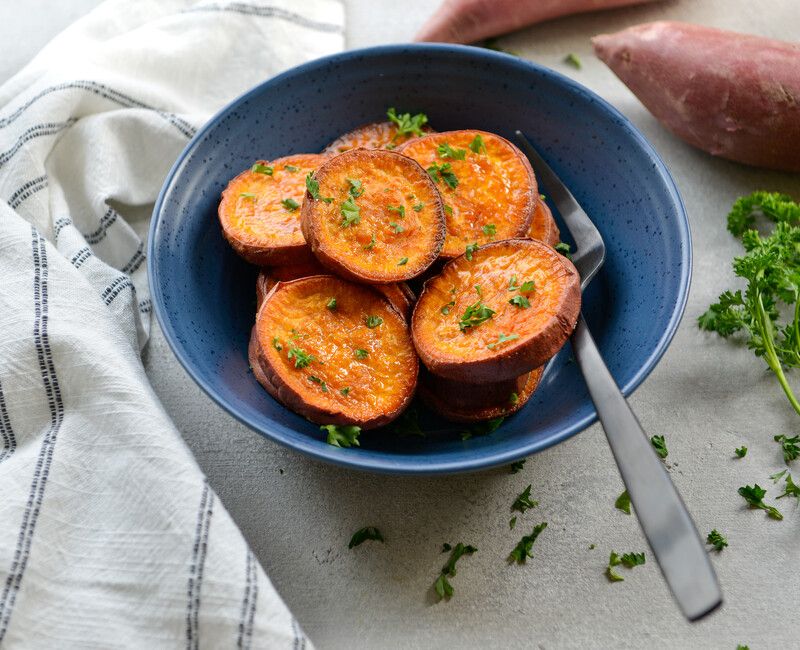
467,21
733,95
377,217
487,185
543,226
496,313
399,293
260,210
335,352
461,401
377,135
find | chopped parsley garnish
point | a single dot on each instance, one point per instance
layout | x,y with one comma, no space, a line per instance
755,499
741,452
518,465
361,353
403,261
399,209
573,60
623,502
443,173
716,540
342,435
446,151
527,287
345,391
418,206
371,245
563,248
290,204
474,315
373,321
321,383
247,195
351,213
446,309
789,446
331,304
777,476
447,208
520,301
512,522
291,168
406,123
791,489
660,445
502,338
524,502
313,189
470,250
301,359
490,230
442,585
408,424
613,560
482,428
477,146
478,289
396,227
523,550
258,168
362,535
631,560
276,343
513,398
356,188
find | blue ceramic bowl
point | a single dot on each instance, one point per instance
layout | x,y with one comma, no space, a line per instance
204,294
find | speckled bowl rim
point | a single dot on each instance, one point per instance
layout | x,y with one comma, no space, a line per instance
394,465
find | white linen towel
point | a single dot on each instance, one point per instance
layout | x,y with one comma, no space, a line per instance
109,533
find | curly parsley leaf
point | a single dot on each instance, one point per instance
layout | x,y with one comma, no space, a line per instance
755,499
523,550
631,560
363,534
775,206
342,435
717,540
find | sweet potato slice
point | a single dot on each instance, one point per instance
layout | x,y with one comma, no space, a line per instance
543,226
260,210
336,352
377,135
498,315
462,401
487,185
399,293
377,219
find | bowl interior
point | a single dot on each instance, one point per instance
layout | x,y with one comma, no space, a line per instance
204,294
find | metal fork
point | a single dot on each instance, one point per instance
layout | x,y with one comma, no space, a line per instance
662,514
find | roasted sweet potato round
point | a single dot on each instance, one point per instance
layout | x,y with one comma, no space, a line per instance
399,293
487,185
336,352
377,217
461,401
260,210
376,135
543,226
498,315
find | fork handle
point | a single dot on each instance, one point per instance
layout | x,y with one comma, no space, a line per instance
662,514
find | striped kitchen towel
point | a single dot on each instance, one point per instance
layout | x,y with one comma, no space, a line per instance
110,536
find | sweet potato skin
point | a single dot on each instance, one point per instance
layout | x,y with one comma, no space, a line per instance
541,328
372,250
294,315
543,226
258,227
733,95
496,187
461,401
376,135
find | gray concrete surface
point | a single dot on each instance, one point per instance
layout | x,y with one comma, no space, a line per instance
707,397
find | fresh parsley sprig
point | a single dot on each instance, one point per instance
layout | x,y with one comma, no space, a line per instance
407,124
755,499
342,435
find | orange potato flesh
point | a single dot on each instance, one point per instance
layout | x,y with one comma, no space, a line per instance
377,135
385,245
255,222
399,294
295,316
496,187
538,331
543,226
462,401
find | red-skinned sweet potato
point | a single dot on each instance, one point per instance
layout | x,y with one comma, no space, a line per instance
733,95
